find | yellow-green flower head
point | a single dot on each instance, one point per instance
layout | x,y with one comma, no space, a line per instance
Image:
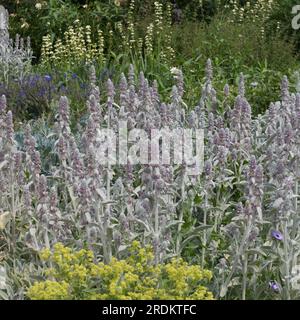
74,275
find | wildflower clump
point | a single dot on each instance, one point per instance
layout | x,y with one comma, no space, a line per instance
79,44
50,290
75,275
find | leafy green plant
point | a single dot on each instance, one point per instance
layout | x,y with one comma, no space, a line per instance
234,47
282,16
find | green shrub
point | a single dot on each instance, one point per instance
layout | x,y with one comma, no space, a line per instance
54,16
234,48
282,15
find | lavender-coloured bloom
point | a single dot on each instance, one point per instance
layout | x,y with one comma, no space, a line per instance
273,285
131,75
63,89
36,161
9,127
123,90
211,121
192,119
242,85
209,70
285,88
61,148
175,95
226,90
252,166
222,137
288,133
84,192
110,92
280,168
222,154
277,235
42,188
53,204
92,75
246,109
2,103
259,175
27,197
92,104
64,109
29,140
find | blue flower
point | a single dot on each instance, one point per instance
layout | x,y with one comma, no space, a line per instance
277,235
22,93
273,285
63,89
48,77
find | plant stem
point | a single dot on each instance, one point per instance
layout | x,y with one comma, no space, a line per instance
13,211
204,233
239,252
286,263
245,266
178,251
107,211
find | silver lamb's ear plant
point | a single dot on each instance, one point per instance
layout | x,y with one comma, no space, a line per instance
240,217
15,58
4,16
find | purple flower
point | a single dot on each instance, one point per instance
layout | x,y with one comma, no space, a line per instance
63,89
277,235
273,285
226,90
209,70
285,88
48,77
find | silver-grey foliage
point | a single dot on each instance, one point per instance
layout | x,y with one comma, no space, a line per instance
15,55
240,217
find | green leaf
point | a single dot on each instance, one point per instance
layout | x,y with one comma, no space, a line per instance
3,295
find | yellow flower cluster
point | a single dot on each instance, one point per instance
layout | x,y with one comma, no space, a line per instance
74,275
75,46
50,290
257,13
